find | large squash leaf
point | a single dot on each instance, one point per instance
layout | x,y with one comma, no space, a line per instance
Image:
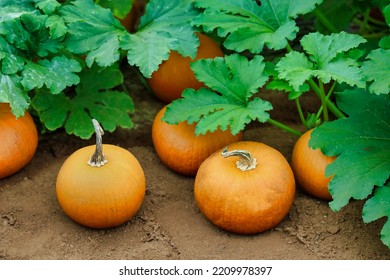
249,26
361,143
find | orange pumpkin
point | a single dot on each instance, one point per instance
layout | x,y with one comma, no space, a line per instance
180,149
102,191
175,74
19,141
309,168
249,195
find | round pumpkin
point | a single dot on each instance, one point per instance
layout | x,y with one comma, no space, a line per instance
175,74
19,141
180,149
309,168
104,194
246,190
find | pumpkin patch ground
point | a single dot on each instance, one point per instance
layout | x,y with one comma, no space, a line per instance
169,225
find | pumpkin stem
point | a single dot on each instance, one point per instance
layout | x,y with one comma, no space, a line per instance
98,159
246,160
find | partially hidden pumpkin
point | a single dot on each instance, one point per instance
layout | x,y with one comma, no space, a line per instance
102,191
180,149
246,188
175,74
309,168
18,141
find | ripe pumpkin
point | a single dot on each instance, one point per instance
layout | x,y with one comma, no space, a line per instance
247,196
102,191
19,141
309,168
180,149
174,74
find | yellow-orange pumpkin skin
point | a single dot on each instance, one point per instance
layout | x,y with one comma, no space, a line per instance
309,168
175,74
101,197
245,202
18,141
181,150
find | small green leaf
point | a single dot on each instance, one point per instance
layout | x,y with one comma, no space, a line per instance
377,70
376,207
94,99
47,6
56,74
361,143
227,102
327,59
120,8
56,26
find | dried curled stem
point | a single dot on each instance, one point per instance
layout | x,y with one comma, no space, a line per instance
98,159
246,160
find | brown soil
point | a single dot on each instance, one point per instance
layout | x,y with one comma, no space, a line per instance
169,224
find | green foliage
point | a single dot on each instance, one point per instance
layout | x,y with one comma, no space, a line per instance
93,99
249,26
361,143
323,60
377,69
226,103
378,206
65,57
119,8
164,27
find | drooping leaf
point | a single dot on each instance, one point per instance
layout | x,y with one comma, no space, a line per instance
11,91
376,207
94,99
377,70
249,26
226,103
324,59
165,26
361,143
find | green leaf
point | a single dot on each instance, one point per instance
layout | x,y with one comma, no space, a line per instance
377,70
376,207
326,58
120,8
226,103
56,26
95,33
47,6
168,23
56,74
249,26
361,143
11,91
384,43
94,99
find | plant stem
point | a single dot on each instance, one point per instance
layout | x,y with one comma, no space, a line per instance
246,160
330,105
300,112
324,21
284,127
98,159
323,102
